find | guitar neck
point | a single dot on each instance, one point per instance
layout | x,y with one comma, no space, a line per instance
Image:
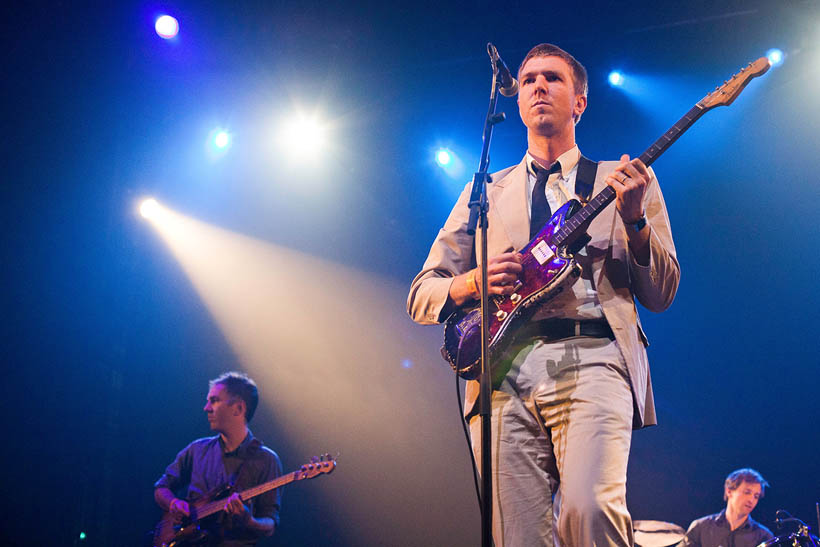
586,214
215,506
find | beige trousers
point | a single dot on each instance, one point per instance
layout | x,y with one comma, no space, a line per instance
561,427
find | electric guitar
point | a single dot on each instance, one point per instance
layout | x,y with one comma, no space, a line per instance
548,263
170,532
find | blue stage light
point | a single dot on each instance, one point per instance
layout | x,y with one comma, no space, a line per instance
616,78
222,139
218,143
444,157
166,26
775,56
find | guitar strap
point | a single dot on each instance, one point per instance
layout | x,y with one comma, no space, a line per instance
585,178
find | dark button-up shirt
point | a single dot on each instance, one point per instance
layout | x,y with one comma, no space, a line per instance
715,531
203,468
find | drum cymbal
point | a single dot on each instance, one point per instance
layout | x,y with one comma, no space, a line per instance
656,533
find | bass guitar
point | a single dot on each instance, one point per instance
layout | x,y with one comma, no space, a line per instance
170,532
548,263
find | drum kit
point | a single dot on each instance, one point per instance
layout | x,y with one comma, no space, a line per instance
801,537
656,533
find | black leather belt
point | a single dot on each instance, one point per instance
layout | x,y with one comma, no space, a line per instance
558,329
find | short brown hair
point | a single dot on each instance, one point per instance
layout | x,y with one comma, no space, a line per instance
579,73
738,477
239,384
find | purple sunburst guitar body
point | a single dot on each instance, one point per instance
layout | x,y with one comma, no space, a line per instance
548,266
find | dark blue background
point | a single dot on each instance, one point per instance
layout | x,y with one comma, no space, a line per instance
107,350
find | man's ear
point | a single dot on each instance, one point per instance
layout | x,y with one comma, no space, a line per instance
239,407
580,106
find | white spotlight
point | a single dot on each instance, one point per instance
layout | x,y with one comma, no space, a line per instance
616,78
149,208
444,157
166,26
775,56
302,136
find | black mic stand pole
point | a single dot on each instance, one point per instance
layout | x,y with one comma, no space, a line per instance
478,215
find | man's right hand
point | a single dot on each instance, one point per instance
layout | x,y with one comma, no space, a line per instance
179,509
502,273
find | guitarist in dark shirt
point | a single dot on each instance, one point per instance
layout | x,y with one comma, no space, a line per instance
230,462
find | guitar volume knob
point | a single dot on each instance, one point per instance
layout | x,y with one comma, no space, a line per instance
501,315
515,298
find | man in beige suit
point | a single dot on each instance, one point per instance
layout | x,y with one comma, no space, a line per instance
577,378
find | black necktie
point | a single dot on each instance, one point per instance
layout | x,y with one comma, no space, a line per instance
540,210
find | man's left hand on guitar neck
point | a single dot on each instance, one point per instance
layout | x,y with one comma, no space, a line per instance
629,180
235,507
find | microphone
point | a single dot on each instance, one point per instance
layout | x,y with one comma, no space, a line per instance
509,85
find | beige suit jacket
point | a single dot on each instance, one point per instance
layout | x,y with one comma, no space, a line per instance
619,279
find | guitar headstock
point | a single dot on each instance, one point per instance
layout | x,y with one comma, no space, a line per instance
724,95
318,465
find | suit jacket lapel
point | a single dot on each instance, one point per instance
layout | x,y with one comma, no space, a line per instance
509,199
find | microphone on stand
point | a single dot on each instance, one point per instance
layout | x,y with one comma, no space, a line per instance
509,85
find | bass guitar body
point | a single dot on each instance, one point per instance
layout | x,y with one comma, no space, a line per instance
190,532
547,269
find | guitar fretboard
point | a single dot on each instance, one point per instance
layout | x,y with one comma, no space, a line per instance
216,506
580,220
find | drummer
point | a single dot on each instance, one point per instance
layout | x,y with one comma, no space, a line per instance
733,526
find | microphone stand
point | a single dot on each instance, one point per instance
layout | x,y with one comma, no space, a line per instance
478,215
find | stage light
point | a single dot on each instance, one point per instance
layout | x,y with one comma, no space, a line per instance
775,56
166,26
222,139
407,363
444,157
82,536
149,208
616,79
218,143
302,136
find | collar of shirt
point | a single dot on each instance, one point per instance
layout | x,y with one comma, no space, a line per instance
247,443
568,161
566,180
721,519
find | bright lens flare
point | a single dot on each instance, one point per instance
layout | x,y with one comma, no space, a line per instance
166,26
149,208
222,139
616,78
775,56
443,157
302,136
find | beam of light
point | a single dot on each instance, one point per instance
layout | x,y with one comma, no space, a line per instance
329,347
616,79
302,136
166,26
775,56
